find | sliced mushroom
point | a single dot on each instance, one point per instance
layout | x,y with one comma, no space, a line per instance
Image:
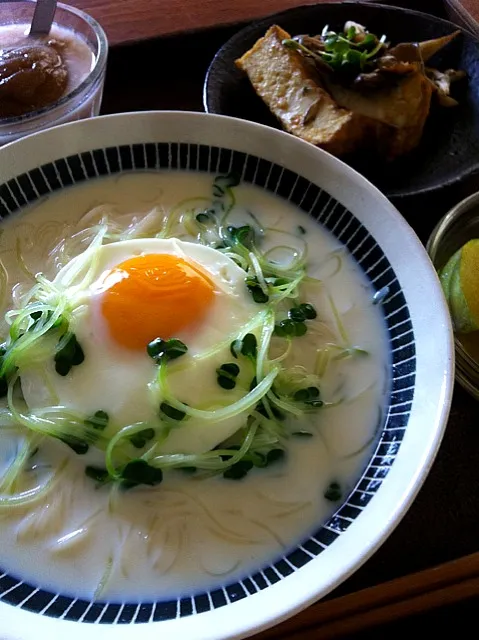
441,82
389,68
429,47
406,52
373,80
391,64
314,43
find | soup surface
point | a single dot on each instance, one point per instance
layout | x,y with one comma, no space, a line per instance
196,529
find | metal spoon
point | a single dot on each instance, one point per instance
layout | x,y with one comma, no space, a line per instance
43,17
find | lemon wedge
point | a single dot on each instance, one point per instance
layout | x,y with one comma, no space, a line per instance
460,283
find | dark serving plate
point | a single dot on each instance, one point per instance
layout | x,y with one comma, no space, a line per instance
449,149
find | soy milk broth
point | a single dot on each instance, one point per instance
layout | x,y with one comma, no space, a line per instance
189,534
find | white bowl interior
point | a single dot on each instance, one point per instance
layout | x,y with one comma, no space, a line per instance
433,377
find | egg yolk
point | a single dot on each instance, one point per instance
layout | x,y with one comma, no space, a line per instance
154,296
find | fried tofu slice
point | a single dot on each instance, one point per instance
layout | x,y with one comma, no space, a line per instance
291,90
403,109
402,105
398,141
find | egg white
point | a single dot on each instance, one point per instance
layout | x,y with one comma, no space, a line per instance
116,380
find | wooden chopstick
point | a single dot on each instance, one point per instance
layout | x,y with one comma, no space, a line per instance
419,592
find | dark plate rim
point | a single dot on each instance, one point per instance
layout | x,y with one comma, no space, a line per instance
455,179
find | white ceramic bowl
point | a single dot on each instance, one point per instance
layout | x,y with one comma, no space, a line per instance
421,367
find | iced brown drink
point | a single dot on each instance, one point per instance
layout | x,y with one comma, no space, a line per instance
35,73
52,79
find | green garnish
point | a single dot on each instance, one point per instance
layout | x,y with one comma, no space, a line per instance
247,346
304,394
296,314
38,316
352,49
188,470
274,455
140,472
300,329
279,394
163,350
285,329
34,452
3,386
333,493
3,378
171,412
99,420
294,325
98,474
80,447
206,217
253,459
289,329
139,440
227,374
242,235
348,52
225,183
308,311
254,287
258,459
309,396
275,412
239,470
69,354
35,316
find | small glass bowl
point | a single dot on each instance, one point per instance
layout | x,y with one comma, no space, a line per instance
83,101
458,226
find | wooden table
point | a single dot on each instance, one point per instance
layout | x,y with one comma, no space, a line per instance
132,21
128,21
443,523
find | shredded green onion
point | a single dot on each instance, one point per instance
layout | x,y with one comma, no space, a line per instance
275,394
32,495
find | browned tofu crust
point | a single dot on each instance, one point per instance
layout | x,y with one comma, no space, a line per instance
330,115
291,90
